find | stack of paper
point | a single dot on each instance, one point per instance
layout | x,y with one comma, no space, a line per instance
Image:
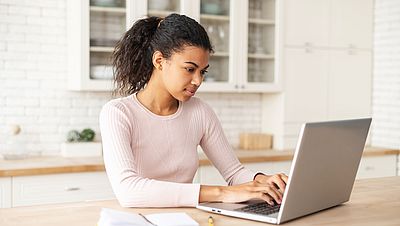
110,217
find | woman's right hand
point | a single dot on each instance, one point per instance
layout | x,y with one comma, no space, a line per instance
251,190
241,193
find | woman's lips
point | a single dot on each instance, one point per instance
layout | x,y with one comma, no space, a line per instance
191,92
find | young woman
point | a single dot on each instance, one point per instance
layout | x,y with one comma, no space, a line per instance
150,136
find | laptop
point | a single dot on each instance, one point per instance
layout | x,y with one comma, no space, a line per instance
322,173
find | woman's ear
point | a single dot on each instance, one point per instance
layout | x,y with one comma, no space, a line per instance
157,60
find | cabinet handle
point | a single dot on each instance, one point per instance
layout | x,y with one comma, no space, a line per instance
236,86
308,47
369,168
72,188
242,86
351,49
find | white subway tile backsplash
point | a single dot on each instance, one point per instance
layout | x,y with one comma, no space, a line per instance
40,111
16,47
54,13
386,88
3,9
12,111
21,84
12,19
72,112
21,101
24,10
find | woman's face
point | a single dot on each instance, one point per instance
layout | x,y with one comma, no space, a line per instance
184,72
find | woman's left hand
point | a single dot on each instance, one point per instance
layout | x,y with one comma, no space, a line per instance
277,180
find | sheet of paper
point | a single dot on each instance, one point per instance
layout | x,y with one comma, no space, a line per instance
171,219
110,217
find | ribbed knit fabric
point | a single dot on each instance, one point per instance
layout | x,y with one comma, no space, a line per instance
151,160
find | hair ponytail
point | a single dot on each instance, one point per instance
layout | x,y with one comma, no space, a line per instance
132,56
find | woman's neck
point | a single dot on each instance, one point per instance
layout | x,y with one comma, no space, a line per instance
157,100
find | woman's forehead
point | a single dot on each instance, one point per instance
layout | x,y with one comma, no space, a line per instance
194,54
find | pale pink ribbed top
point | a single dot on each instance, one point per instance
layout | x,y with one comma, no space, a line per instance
151,160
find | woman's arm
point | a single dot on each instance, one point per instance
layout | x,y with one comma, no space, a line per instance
268,188
244,184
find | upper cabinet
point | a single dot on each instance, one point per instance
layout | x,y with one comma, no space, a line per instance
244,35
352,24
307,22
329,23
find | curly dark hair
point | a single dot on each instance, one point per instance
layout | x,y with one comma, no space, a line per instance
132,56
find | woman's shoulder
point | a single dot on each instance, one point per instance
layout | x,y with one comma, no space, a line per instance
119,104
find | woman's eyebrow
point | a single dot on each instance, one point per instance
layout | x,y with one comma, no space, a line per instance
194,64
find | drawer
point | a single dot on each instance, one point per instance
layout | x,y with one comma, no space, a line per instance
5,192
59,188
377,166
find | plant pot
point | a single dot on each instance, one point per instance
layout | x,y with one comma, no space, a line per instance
81,149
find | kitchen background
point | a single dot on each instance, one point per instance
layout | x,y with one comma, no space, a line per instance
34,77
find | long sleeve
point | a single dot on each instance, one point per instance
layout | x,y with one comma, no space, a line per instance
121,163
217,148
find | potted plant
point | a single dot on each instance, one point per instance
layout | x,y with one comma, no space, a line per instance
80,144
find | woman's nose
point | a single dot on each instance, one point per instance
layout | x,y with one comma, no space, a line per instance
197,79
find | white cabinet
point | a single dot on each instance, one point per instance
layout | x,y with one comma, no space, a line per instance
329,23
245,35
5,192
377,166
351,23
306,84
306,22
59,188
349,84
326,66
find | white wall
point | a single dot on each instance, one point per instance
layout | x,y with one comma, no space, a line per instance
386,81
33,81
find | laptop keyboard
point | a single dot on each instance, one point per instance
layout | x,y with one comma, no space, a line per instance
260,208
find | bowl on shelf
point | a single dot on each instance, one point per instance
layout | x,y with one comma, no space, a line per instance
105,3
159,4
211,8
101,72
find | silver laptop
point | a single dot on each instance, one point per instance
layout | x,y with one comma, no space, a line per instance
322,173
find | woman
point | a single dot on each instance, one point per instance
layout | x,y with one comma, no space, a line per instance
150,137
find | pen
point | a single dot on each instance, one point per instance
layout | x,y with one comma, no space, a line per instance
210,221
146,219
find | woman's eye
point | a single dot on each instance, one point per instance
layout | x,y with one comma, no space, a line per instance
203,72
188,69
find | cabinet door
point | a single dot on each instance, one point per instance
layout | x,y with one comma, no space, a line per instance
5,192
350,78
306,21
305,75
351,23
59,188
377,166
262,45
216,18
